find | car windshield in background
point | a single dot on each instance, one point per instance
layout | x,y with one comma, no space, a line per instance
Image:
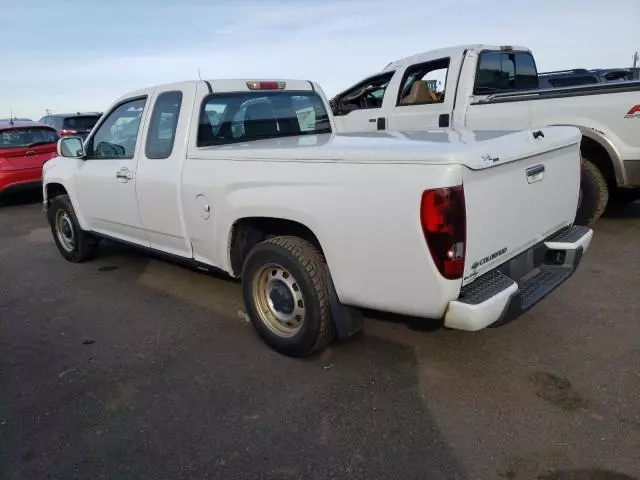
242,117
80,123
27,137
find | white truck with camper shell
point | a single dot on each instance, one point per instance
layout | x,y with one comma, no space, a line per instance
248,177
488,87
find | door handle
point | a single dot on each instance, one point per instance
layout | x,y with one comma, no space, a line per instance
535,173
124,175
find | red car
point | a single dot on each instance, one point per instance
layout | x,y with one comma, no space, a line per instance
24,147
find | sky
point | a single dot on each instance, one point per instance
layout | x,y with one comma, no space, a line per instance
81,55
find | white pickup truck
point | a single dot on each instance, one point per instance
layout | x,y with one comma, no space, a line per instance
487,87
247,177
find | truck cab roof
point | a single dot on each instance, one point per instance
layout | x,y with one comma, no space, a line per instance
231,85
458,50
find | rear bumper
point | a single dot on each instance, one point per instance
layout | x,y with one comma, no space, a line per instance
20,180
508,291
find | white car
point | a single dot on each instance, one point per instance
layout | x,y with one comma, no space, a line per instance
472,230
488,87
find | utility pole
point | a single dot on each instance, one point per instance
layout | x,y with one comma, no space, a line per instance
635,73
47,111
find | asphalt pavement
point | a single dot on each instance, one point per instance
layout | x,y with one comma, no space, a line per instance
130,367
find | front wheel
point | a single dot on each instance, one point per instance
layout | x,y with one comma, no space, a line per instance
74,244
285,290
594,194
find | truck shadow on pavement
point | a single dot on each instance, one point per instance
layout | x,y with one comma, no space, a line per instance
417,324
622,211
109,376
20,199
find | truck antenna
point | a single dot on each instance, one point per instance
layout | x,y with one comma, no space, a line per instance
199,76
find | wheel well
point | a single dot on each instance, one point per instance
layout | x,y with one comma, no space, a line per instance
598,155
246,233
55,190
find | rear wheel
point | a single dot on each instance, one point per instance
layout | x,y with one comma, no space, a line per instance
285,290
74,244
594,194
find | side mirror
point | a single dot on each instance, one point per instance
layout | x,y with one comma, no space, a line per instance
71,147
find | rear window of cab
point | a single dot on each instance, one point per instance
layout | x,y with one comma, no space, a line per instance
241,117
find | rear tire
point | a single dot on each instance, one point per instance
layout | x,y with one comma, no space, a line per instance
594,194
285,290
74,244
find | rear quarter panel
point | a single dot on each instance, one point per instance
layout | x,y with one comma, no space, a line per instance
600,117
366,217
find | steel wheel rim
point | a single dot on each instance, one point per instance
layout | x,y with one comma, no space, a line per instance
279,301
65,231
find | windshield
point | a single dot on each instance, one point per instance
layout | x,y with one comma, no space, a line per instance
241,117
27,137
86,122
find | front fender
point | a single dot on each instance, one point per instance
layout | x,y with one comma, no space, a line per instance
61,171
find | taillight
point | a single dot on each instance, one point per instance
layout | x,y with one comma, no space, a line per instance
266,85
444,223
65,132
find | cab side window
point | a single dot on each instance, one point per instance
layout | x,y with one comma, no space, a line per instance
162,127
117,135
424,83
367,94
505,71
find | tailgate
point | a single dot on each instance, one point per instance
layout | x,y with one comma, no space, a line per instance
519,189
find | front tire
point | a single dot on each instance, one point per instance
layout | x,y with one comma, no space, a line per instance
285,290
594,194
74,244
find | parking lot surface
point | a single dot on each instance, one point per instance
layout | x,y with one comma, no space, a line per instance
130,367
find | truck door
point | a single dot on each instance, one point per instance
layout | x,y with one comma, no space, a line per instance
359,109
159,170
423,98
105,182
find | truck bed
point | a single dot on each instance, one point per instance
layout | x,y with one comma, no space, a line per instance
562,92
